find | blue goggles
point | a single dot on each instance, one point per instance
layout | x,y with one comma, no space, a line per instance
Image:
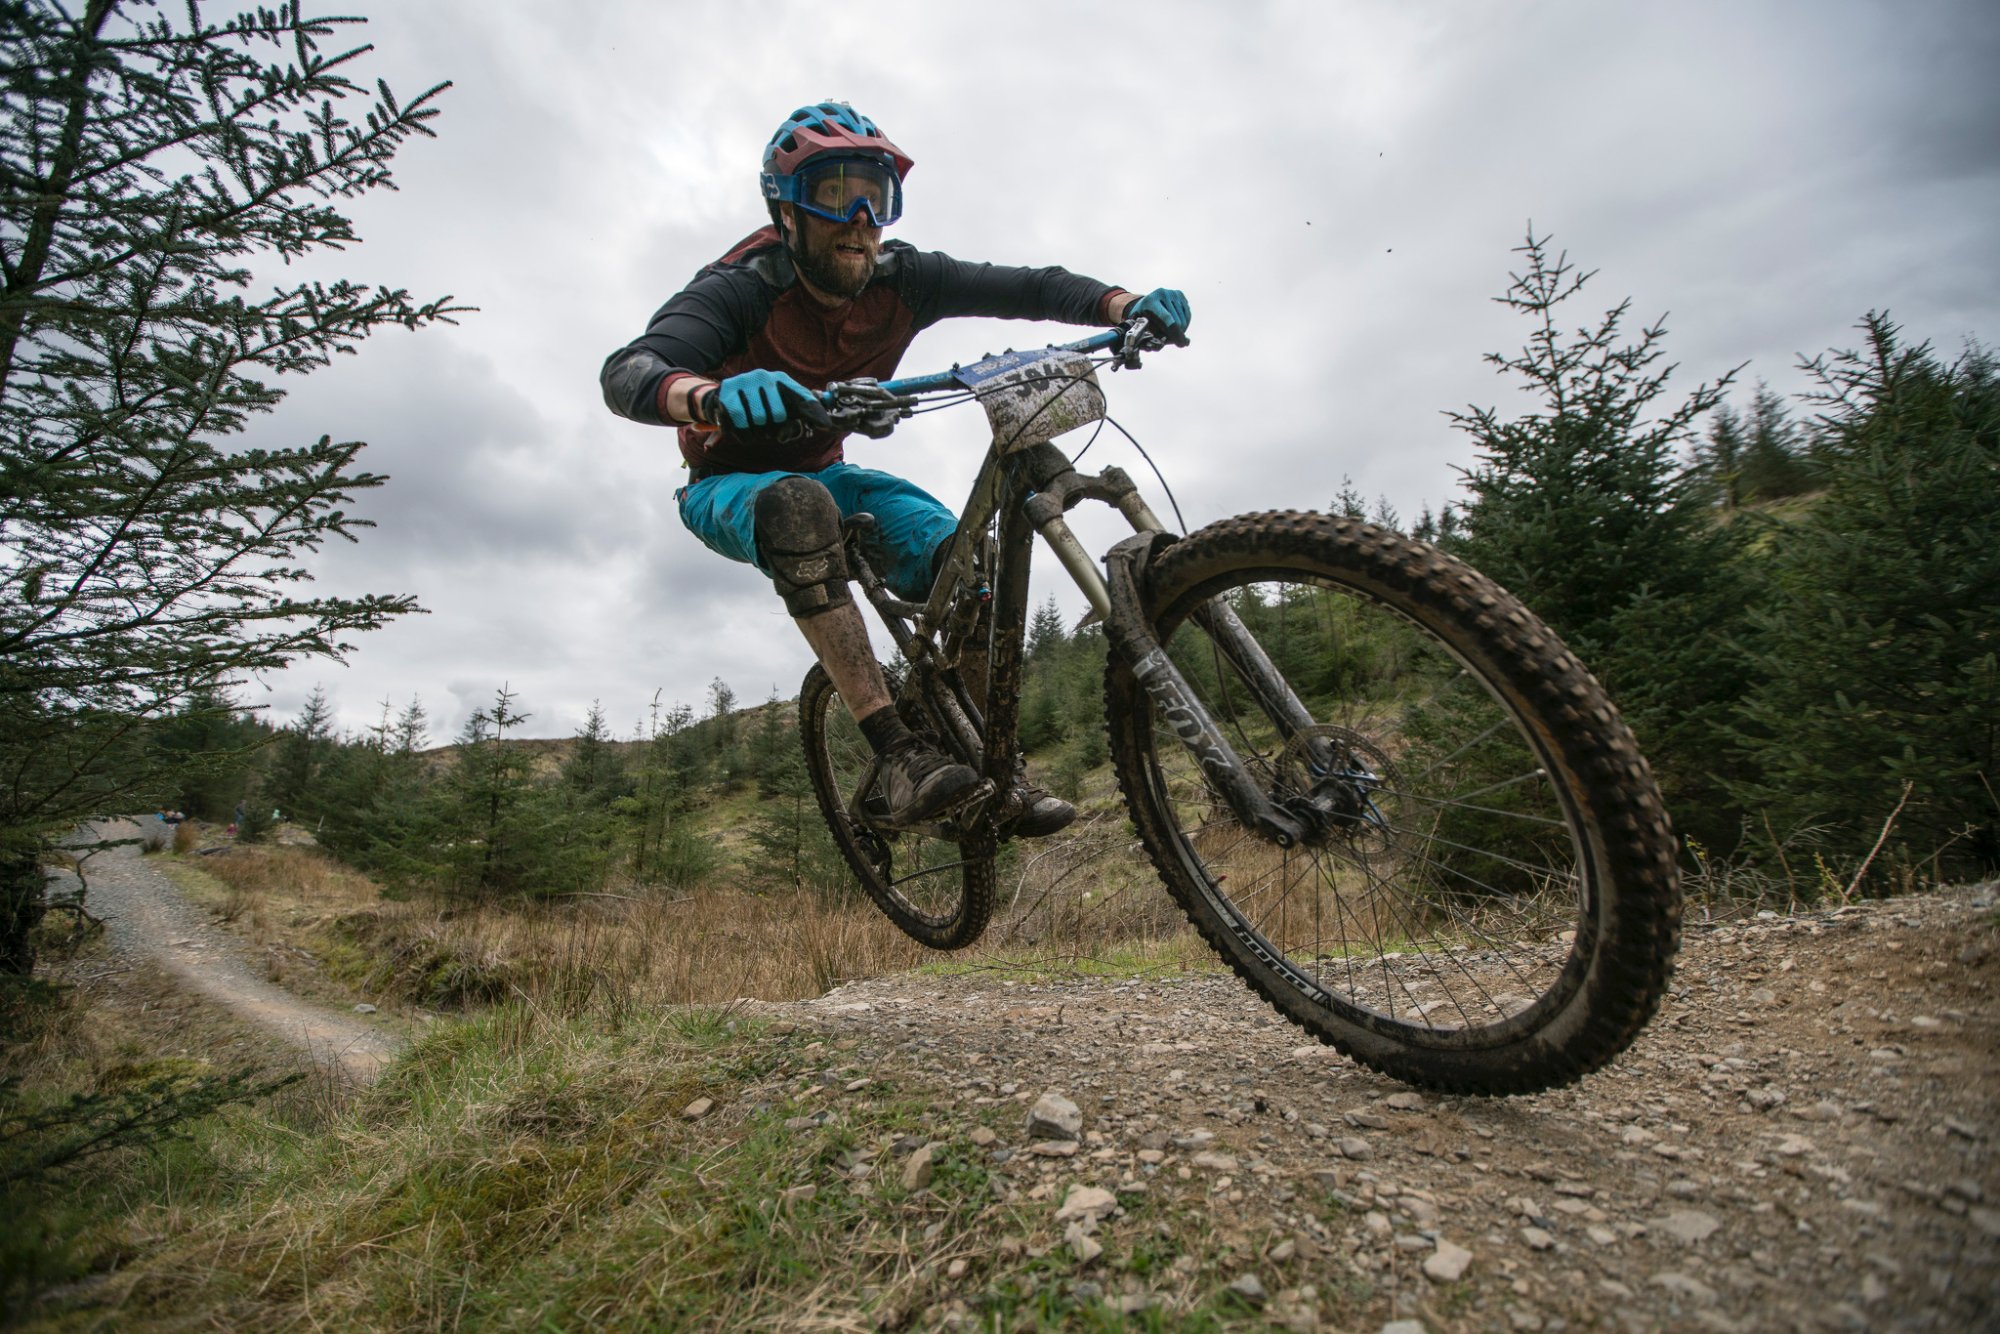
841,189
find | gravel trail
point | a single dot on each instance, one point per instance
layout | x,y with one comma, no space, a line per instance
147,918
1804,1139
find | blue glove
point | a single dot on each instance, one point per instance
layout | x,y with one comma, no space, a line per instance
1166,310
763,399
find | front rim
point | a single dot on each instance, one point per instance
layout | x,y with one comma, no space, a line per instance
1446,897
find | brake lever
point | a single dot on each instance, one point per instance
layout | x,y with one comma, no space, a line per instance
863,405
1137,336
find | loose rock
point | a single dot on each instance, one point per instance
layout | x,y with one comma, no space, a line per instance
1054,1117
1688,1225
1447,1263
1090,1204
1250,1289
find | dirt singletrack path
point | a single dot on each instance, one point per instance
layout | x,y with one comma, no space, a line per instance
1806,1138
146,918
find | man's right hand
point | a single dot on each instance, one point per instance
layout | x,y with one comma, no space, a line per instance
760,400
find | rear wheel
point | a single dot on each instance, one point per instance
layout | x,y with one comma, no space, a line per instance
936,883
1487,900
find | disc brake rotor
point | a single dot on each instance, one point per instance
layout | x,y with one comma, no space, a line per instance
1344,783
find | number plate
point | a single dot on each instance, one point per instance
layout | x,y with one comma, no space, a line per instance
1033,397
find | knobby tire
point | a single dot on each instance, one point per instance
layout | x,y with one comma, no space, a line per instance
1502,915
945,908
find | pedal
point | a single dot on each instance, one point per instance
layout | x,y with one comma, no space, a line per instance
939,825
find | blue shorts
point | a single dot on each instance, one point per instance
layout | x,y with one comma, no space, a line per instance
909,523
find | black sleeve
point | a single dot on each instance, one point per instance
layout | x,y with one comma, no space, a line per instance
935,286
708,320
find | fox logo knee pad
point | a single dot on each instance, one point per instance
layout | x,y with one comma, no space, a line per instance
798,535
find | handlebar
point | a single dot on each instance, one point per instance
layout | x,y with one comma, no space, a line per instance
873,407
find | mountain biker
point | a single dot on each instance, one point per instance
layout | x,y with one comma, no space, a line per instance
734,361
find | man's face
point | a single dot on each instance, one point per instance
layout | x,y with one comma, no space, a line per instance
838,258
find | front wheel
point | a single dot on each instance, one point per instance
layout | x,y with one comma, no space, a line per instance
1486,900
937,883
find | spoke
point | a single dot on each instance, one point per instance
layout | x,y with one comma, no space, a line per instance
929,870
1457,803
1447,759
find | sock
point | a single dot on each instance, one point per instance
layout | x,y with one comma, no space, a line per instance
886,731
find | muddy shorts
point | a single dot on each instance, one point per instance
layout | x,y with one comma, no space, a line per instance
910,524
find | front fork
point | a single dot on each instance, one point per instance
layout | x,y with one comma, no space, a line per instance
1115,599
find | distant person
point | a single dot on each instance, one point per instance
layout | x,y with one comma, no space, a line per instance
735,360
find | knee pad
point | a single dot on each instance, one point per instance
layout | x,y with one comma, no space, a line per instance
798,535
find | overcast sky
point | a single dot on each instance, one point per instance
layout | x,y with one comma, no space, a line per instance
1337,186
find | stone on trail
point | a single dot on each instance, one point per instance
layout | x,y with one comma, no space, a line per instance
1688,1225
1538,1239
1680,1285
983,1136
364,1008
1081,1244
1091,1204
1215,1162
1250,1289
697,1109
1405,1327
1447,1264
1407,1102
1765,1098
1054,1117
1356,1148
918,1168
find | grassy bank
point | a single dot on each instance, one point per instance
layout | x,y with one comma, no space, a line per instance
522,1169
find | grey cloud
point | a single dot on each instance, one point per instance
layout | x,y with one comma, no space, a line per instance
1337,188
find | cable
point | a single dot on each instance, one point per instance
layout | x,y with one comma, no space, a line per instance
1156,472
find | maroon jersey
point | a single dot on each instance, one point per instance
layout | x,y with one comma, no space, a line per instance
747,311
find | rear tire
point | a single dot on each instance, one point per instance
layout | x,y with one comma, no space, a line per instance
1495,909
936,886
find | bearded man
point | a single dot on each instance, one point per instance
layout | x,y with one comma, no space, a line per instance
735,360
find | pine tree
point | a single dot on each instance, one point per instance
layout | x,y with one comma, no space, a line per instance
293,781
1583,510
1774,465
209,746
150,159
595,769
1046,632
1880,653
496,817
772,746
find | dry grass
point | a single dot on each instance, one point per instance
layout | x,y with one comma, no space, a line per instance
620,950
1086,901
